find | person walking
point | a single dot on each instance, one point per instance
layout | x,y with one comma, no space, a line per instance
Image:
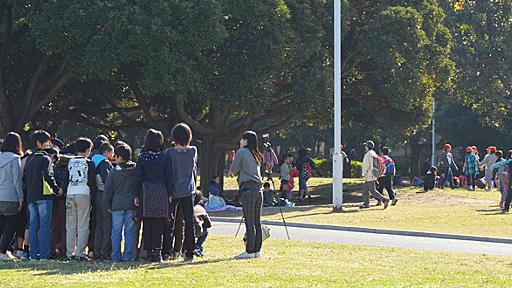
371,176
448,166
386,181
246,166
11,192
152,182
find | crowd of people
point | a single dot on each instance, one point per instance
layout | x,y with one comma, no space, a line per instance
79,201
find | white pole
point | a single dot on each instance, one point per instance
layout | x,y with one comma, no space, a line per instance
433,132
337,163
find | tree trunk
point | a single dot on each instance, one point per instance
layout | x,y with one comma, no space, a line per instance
416,153
211,163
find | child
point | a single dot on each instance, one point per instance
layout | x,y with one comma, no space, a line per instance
471,167
487,162
214,188
268,196
202,224
102,218
82,184
182,173
40,188
501,176
120,191
386,181
285,170
430,179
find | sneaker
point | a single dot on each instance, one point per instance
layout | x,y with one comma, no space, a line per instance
25,256
386,204
189,259
364,206
166,257
504,210
393,203
7,256
19,254
198,253
245,255
176,255
257,255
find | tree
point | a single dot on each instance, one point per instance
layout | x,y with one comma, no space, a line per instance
29,77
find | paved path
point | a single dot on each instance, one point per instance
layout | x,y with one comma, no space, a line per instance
229,228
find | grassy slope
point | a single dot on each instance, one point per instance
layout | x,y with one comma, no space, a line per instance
285,264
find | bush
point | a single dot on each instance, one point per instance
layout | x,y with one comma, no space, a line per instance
324,167
356,169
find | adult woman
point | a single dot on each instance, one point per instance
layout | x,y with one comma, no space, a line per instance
183,158
151,180
11,193
246,166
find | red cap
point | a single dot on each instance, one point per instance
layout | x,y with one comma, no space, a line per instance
469,149
447,146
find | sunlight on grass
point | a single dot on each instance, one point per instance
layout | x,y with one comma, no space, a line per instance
284,264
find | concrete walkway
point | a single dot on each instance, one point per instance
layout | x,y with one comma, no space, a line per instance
322,234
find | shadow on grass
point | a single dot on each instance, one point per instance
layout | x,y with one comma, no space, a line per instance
68,268
490,211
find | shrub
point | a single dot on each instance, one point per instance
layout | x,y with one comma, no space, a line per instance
324,166
356,168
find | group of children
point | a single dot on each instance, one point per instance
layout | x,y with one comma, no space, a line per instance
78,202
494,167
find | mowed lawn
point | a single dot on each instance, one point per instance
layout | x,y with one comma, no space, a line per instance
284,264
445,211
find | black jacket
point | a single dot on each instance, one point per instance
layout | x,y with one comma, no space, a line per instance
121,187
38,167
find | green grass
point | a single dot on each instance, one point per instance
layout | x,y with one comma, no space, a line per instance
445,211
284,264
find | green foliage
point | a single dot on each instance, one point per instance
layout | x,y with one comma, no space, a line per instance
356,169
324,166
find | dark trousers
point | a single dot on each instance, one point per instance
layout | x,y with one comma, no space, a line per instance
187,206
152,233
385,182
92,226
7,229
174,233
103,229
448,177
252,200
471,177
59,227
508,199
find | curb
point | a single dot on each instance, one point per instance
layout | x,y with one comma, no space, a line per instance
377,231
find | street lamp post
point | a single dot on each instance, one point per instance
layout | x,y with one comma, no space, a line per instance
337,163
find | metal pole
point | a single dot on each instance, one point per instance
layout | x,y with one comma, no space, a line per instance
337,163
433,132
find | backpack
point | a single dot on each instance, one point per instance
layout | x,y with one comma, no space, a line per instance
379,166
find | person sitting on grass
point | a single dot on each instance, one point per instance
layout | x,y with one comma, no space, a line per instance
268,196
214,187
120,191
430,179
202,223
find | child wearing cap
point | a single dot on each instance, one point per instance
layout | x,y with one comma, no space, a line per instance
471,168
487,162
448,166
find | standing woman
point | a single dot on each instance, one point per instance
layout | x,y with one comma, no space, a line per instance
11,193
182,159
246,166
153,199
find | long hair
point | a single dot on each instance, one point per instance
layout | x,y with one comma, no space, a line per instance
12,143
252,144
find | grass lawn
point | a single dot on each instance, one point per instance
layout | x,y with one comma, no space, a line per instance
446,211
284,264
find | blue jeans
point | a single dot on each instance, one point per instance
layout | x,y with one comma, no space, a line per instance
200,241
448,177
40,223
120,220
